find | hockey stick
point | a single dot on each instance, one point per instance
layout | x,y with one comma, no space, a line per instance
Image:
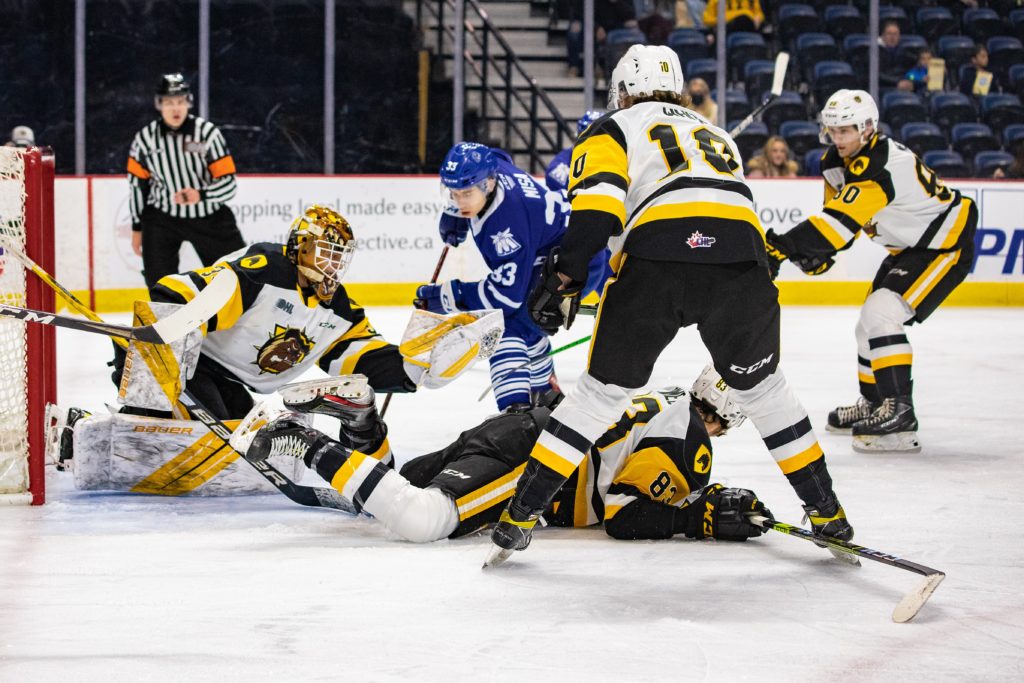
911,603
781,64
531,362
177,325
304,495
433,279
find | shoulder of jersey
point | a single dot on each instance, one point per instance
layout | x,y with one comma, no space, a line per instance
609,125
266,263
870,162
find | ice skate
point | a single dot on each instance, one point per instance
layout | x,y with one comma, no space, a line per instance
843,418
349,399
828,518
287,435
892,427
60,423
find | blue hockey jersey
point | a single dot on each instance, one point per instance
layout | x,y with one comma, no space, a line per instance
557,174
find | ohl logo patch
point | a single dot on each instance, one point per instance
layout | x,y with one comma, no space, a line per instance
698,241
286,348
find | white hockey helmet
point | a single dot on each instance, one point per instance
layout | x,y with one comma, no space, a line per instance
849,108
644,70
712,393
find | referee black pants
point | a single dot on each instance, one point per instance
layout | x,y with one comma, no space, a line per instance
162,235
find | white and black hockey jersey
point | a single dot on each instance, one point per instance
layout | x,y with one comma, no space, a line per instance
661,182
887,192
271,330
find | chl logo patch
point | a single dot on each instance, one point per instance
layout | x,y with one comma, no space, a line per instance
285,349
699,241
505,243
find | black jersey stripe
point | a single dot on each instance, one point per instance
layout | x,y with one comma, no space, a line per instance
687,183
848,222
890,340
568,435
788,435
934,227
369,484
596,179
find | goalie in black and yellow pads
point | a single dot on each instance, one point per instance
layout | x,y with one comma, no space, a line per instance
647,477
878,187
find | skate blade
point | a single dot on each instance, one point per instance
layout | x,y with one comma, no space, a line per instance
846,558
838,430
344,386
913,601
253,421
497,556
901,442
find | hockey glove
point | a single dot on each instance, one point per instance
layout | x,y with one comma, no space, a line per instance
551,303
453,229
439,298
777,253
725,514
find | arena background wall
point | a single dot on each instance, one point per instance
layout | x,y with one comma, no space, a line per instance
395,222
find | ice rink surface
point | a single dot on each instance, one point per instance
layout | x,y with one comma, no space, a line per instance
110,587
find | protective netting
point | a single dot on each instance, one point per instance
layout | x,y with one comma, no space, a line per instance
13,348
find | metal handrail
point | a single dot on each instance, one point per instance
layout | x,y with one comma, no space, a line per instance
504,93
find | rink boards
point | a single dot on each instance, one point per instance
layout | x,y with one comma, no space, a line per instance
395,222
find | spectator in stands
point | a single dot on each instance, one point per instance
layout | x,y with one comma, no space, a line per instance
740,15
1015,170
657,19
890,71
774,161
700,99
608,15
918,74
180,177
690,14
977,79
21,136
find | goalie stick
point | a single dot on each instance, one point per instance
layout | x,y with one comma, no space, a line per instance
175,326
781,65
911,603
303,495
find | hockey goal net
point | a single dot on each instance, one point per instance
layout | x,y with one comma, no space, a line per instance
27,351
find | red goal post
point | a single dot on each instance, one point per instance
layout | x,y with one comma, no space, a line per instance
28,378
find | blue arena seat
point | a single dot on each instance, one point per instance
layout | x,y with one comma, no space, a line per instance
951,108
1013,138
701,68
737,104
933,22
812,161
922,136
970,138
689,44
1000,110
946,164
757,78
743,47
986,163
1004,52
900,107
1016,80
897,14
616,44
909,49
789,106
981,23
812,48
855,51
750,140
1017,22
843,20
796,18
830,76
956,50
800,136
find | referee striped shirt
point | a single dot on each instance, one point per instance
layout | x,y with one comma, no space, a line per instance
162,162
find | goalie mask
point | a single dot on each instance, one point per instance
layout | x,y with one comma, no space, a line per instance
849,108
713,395
467,177
643,71
320,244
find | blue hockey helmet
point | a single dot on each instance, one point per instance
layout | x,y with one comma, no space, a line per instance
588,118
468,164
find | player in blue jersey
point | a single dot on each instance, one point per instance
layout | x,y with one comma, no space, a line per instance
515,222
557,174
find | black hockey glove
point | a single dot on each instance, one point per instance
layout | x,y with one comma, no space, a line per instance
551,304
778,252
725,514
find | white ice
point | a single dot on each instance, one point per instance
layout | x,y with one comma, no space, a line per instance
108,587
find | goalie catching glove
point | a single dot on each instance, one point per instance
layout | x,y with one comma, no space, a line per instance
438,348
554,303
724,514
780,248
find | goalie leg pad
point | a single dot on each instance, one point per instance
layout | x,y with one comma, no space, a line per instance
175,363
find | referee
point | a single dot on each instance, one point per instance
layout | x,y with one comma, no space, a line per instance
181,174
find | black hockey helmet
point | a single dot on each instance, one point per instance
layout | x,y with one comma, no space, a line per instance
174,85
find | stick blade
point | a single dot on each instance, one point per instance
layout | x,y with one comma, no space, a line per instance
913,601
194,313
781,66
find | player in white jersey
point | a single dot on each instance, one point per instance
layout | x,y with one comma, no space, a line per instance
289,312
645,478
664,188
877,186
